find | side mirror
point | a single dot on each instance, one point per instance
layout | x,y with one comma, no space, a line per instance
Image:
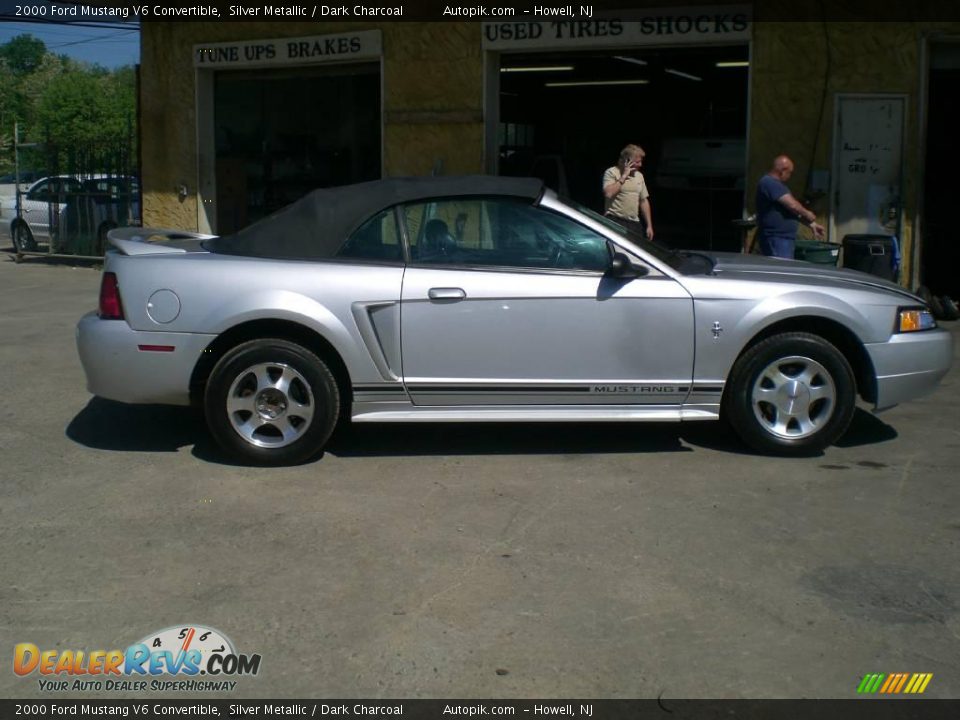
622,268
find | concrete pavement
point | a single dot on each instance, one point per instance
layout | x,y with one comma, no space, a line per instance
516,561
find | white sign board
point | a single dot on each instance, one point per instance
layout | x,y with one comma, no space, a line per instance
365,45
669,26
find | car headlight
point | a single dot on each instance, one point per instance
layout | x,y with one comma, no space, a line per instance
915,319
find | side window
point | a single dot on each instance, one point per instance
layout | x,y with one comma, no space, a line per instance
501,233
71,187
40,192
376,239
448,231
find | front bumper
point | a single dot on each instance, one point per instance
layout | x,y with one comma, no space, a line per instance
118,369
909,365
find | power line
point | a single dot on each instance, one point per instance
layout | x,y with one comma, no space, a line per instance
89,40
119,25
12,29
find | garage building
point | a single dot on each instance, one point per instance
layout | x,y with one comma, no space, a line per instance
240,118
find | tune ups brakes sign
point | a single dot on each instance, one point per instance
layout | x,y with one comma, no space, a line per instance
184,657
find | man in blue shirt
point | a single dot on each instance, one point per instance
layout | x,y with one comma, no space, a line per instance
778,212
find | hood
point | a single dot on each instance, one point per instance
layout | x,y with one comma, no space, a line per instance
799,270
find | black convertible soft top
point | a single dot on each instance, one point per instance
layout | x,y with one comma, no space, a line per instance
315,226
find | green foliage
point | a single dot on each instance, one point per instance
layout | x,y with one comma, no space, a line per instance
23,54
65,107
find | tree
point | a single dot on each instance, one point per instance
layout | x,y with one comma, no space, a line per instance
77,114
23,53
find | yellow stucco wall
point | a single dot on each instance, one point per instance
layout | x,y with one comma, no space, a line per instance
433,97
792,67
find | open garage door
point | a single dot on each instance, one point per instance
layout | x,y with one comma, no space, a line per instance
564,116
940,252
282,133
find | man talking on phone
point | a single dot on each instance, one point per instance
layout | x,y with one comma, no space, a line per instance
625,195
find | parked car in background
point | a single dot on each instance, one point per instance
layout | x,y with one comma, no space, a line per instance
479,299
40,209
67,214
103,203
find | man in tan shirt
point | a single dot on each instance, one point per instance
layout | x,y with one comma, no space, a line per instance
625,193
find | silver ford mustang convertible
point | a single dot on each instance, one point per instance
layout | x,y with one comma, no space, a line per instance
489,299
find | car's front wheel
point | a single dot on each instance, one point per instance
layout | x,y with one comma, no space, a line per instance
791,394
271,402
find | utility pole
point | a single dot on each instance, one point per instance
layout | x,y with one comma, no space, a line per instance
16,166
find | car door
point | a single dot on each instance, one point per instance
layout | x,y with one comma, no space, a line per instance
35,206
42,205
504,303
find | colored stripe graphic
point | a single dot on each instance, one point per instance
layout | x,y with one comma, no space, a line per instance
870,683
918,683
894,683
903,679
891,681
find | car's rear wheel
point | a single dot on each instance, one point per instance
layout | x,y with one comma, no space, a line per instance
271,402
23,239
791,394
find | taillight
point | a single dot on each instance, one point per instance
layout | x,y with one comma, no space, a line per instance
110,306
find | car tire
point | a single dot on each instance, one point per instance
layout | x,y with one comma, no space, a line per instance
950,309
23,240
271,402
791,394
936,307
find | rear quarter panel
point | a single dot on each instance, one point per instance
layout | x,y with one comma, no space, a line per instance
218,292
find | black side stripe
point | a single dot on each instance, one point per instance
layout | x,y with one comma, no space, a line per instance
531,389
538,389
393,388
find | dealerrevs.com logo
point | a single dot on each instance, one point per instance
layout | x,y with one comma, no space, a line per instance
183,657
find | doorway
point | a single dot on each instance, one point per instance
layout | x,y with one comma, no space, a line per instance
565,116
282,133
940,251
868,165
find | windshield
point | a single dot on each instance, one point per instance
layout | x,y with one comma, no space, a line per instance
683,261
656,249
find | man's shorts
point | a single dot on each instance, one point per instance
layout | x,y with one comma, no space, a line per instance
781,246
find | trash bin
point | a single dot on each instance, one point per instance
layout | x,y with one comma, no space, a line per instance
874,254
814,251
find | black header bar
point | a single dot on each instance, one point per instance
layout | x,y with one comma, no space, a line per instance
126,11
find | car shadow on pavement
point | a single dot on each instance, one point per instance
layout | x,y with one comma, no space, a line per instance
108,425
865,429
386,439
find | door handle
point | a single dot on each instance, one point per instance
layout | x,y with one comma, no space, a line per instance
446,293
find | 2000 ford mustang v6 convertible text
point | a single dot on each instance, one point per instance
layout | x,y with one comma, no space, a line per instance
490,299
